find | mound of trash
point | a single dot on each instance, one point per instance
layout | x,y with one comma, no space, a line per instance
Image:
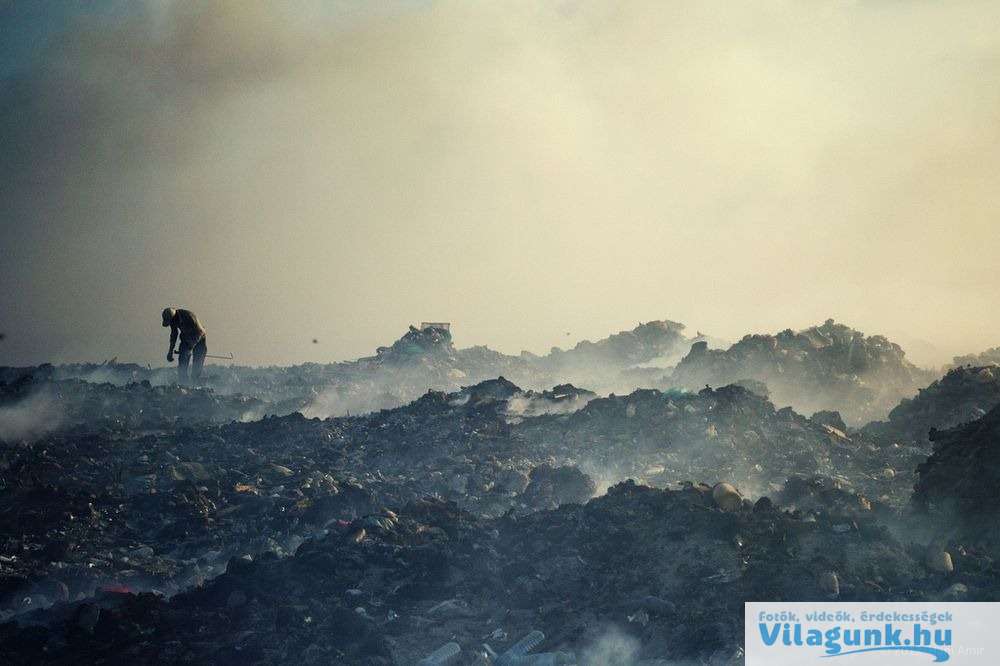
959,480
964,394
477,446
728,433
623,361
159,511
646,342
827,367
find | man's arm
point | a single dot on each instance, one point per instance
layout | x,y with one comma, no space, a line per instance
173,341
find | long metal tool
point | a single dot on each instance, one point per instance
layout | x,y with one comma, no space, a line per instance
224,358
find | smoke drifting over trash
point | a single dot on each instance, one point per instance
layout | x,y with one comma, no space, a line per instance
490,334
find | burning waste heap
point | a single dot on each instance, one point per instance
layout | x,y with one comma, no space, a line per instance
489,519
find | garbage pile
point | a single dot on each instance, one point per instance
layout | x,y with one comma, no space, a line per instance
729,433
958,483
161,511
646,342
621,362
964,394
660,574
827,367
470,447
162,507
417,343
431,350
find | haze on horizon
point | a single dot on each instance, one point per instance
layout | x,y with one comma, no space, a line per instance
535,173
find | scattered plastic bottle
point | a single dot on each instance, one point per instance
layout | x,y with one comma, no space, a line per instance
517,652
547,659
528,642
443,655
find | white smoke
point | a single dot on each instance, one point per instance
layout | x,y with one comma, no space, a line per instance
29,418
523,405
614,648
356,399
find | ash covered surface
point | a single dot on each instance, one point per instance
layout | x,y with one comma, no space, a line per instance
142,521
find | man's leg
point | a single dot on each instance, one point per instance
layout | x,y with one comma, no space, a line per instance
183,358
200,350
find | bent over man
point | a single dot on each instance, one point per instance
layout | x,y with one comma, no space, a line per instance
192,334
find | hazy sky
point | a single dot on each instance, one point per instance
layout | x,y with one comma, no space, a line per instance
521,169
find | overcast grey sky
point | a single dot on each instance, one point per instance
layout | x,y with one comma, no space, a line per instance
307,170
